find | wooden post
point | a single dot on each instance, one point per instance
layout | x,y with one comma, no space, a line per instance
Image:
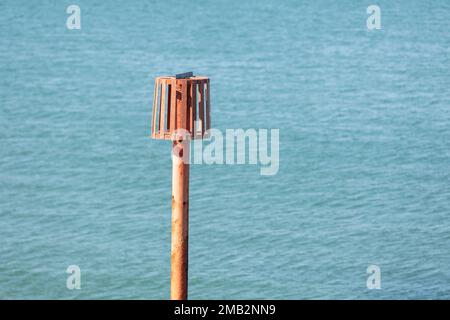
180,222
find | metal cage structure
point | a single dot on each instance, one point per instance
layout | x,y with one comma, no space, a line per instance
181,104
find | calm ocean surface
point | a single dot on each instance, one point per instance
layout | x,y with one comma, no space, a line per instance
364,178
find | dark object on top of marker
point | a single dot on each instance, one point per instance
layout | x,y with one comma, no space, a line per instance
184,75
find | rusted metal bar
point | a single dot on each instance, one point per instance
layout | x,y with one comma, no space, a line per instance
175,104
180,222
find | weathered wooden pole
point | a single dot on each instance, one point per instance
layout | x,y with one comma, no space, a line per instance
181,112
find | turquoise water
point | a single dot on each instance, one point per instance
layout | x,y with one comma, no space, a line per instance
364,178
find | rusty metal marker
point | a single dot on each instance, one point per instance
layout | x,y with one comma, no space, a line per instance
181,111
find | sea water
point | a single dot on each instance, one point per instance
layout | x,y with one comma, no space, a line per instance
364,169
